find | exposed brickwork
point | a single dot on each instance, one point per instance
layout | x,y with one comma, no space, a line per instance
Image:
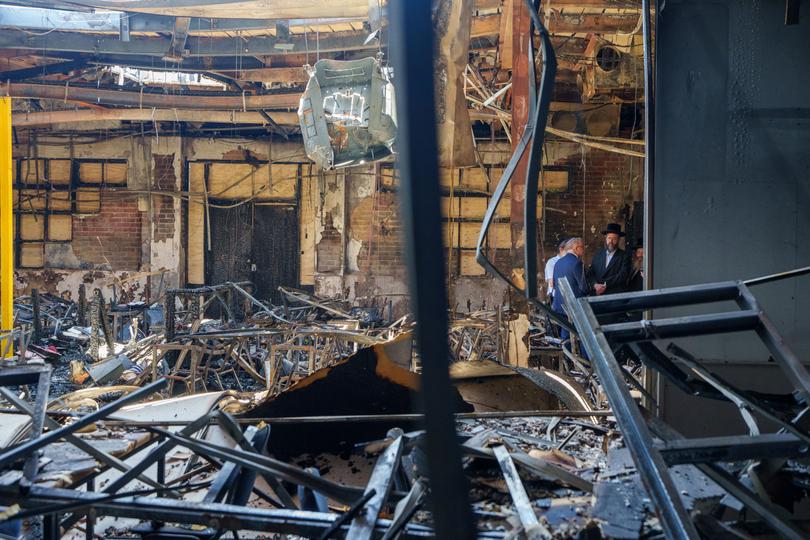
602,186
329,248
375,222
113,236
164,180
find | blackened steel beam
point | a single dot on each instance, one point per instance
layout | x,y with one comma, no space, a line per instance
267,465
541,108
197,46
733,448
652,357
663,298
648,17
538,109
411,47
37,420
777,277
151,98
79,443
221,516
696,325
649,462
793,368
775,516
26,448
16,376
736,395
156,454
43,71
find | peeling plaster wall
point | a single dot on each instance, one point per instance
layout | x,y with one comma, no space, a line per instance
66,283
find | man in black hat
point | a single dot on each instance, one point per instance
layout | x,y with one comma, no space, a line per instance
610,267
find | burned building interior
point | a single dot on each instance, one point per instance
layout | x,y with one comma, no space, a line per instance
495,269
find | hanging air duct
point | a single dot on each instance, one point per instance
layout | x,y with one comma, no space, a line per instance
347,113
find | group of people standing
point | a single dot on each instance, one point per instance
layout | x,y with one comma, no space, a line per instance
611,271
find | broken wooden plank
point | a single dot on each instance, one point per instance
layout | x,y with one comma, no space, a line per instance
381,480
532,527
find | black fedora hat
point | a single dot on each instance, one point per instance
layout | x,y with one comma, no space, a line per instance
613,228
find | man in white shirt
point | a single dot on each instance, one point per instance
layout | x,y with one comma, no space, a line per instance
549,273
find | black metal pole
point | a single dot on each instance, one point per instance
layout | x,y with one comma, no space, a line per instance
37,321
649,139
412,53
24,449
90,521
82,305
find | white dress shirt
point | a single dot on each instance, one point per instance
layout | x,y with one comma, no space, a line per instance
609,257
550,271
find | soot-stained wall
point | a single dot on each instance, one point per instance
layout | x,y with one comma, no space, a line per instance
732,178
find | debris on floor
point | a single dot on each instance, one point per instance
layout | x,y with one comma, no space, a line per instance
226,413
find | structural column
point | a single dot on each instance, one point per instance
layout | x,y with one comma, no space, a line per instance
6,223
521,24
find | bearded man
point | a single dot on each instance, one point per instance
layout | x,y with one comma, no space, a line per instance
610,266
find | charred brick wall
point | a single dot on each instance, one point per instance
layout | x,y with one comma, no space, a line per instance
602,188
113,237
163,213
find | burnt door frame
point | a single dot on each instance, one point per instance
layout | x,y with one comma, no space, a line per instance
294,204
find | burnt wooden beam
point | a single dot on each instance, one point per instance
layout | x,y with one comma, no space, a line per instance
56,68
197,46
564,23
191,100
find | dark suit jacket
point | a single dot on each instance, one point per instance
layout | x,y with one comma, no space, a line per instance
569,267
635,282
614,276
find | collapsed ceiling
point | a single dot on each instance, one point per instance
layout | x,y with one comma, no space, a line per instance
88,61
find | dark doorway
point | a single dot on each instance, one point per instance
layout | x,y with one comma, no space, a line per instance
275,249
254,242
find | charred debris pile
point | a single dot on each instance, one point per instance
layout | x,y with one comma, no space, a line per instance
214,413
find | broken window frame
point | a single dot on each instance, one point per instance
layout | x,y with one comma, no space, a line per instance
43,188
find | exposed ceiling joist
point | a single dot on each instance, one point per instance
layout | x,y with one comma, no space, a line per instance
128,98
36,119
156,63
43,20
44,70
288,75
196,46
563,23
258,9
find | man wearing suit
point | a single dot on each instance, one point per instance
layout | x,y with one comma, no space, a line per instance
610,267
635,280
570,267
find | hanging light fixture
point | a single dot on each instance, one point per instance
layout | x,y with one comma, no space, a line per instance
348,113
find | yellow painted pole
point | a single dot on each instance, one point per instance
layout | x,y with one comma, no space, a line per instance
6,227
